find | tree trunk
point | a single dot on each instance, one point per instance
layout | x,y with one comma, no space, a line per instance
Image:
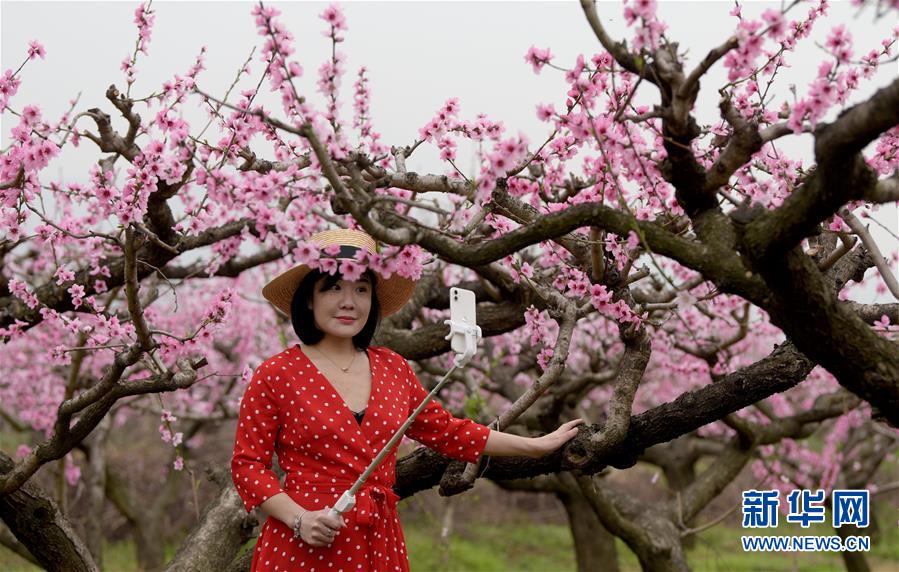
150,545
854,561
12,543
144,521
224,528
95,482
242,562
679,476
647,529
594,546
35,520
145,517
446,532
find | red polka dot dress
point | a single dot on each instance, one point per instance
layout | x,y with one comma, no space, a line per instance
290,408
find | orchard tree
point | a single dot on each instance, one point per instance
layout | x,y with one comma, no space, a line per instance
690,288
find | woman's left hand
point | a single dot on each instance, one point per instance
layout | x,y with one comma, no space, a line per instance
548,443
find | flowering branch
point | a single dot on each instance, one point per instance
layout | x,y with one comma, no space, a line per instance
619,51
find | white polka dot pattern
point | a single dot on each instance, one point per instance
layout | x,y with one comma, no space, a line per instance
290,408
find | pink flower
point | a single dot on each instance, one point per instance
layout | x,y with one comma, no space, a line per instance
72,471
883,323
144,20
332,249
633,241
306,252
76,290
333,16
545,111
62,275
328,265
31,114
382,265
600,296
35,49
362,256
486,184
837,224
544,356
776,24
9,85
408,263
538,58
350,270
577,287
645,9
179,463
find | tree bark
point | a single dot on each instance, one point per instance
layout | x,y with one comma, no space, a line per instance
95,482
35,520
242,562
8,540
594,546
224,528
646,529
144,519
446,532
150,545
853,561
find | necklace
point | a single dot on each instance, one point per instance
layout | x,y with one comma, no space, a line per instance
343,369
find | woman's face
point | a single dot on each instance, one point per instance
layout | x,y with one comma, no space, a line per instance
345,299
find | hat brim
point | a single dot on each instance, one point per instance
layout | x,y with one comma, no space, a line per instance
392,293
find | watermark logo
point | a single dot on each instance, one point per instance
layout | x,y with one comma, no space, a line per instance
851,507
806,507
760,508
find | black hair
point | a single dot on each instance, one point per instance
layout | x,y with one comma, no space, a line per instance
301,314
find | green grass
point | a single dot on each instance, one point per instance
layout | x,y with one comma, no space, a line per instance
549,548
492,548
117,557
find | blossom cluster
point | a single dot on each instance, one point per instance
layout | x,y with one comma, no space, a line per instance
541,330
403,260
649,29
144,18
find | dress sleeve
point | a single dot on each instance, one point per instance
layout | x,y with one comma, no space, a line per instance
436,428
254,443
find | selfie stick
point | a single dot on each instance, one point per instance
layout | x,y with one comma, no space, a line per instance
472,335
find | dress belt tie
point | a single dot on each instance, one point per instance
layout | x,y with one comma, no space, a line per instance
376,509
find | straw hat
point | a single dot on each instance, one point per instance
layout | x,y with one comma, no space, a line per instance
393,292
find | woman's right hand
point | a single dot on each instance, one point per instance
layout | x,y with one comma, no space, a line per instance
320,529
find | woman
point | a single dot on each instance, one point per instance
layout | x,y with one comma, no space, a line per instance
327,407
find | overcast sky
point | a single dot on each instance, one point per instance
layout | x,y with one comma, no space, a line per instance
418,54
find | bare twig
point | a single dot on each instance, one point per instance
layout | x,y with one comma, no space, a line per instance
869,242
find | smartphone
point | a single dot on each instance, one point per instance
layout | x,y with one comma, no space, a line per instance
462,310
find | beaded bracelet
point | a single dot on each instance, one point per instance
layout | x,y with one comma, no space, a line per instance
297,522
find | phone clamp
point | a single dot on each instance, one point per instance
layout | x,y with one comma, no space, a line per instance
472,336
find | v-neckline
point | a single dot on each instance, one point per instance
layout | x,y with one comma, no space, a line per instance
345,407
